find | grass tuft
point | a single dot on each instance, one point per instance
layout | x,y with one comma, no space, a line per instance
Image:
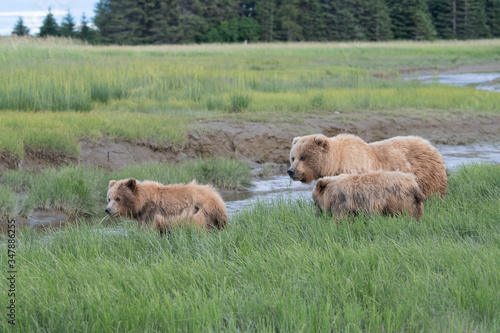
240,102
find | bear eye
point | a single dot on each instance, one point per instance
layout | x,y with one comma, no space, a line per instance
303,158
109,200
117,199
293,159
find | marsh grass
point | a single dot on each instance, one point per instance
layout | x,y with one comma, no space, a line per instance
277,267
81,191
7,201
60,131
152,92
240,102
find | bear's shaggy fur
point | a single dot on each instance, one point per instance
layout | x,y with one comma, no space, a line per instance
166,206
316,156
382,192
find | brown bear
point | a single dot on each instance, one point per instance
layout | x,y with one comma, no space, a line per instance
316,156
382,192
166,206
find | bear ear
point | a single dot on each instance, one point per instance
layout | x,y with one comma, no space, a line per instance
111,183
321,141
321,184
131,184
294,141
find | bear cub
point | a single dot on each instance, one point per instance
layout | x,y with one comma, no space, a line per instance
166,206
382,192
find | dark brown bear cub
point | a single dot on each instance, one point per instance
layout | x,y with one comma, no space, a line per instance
166,206
382,192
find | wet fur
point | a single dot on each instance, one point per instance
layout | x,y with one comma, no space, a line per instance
346,153
379,192
167,206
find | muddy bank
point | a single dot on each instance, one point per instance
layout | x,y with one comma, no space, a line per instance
259,142
266,142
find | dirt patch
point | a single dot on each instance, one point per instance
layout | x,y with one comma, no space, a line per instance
259,142
471,68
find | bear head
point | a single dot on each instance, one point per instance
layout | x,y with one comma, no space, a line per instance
122,198
319,197
307,156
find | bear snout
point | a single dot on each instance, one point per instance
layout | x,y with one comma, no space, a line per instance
290,172
108,211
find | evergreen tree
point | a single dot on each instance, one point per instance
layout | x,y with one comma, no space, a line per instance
84,31
165,22
288,17
20,29
49,27
67,28
492,8
312,19
471,19
266,14
411,19
375,20
442,17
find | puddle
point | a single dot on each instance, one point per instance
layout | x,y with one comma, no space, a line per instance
482,152
482,81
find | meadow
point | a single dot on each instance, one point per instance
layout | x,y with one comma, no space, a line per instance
54,92
277,267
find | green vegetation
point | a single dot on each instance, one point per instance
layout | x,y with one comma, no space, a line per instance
7,201
157,93
277,267
81,191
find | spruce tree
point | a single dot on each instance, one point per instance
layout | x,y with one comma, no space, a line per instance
471,19
442,17
411,19
312,19
67,28
266,14
289,28
84,31
375,20
20,29
49,27
165,22
492,8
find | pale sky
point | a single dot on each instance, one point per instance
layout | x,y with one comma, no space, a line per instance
34,11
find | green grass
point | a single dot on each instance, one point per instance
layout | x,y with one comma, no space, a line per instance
7,201
81,191
277,267
155,92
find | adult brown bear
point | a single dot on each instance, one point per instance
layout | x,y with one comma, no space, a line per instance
316,156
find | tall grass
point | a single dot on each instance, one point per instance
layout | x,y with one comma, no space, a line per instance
155,92
60,132
71,76
7,201
277,267
81,191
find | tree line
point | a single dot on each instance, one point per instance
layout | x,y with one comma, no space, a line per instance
67,28
205,21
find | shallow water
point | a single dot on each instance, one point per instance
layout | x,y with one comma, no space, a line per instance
482,81
279,186
273,187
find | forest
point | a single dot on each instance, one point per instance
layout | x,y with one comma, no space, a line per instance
144,22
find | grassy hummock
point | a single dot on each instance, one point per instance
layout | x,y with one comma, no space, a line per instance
277,267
